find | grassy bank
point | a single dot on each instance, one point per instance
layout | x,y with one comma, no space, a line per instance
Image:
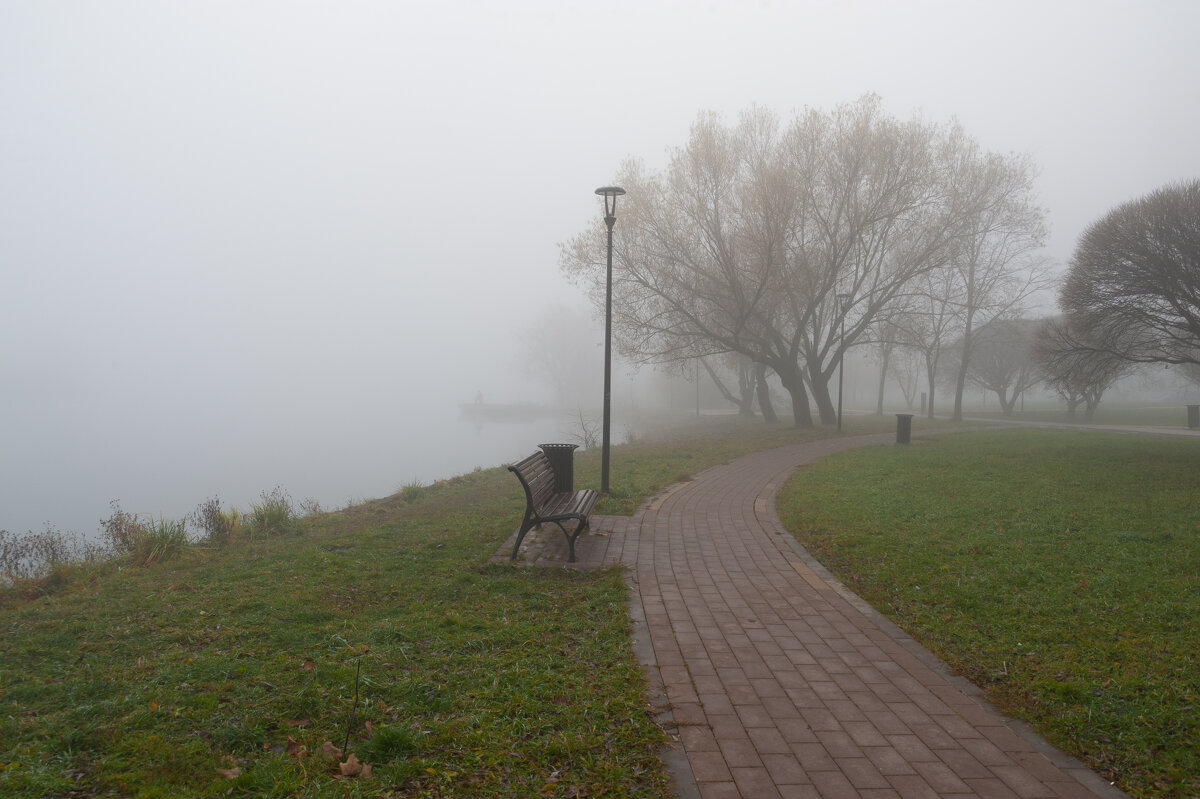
1057,569
386,637
378,631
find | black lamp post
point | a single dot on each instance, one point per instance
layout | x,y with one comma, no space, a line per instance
610,195
843,301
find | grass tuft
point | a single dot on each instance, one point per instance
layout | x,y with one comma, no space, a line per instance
411,492
159,540
273,515
219,526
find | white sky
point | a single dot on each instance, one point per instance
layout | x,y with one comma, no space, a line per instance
227,226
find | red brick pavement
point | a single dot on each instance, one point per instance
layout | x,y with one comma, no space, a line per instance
776,680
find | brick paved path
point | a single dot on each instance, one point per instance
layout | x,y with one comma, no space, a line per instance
779,682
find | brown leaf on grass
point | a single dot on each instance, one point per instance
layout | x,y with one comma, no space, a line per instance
307,665
297,722
351,768
230,773
295,749
330,752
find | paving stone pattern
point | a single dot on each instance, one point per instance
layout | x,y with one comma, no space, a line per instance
776,680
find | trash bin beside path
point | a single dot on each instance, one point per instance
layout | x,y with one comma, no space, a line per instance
903,428
562,462
1193,417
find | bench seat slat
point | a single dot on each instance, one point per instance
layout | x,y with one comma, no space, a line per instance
578,503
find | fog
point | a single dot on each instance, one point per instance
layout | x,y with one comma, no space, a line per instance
255,244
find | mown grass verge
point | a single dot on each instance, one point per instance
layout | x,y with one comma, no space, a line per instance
378,630
230,668
1059,570
1173,415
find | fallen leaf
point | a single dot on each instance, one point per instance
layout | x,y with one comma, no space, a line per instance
365,774
230,773
295,749
307,665
297,722
351,768
330,752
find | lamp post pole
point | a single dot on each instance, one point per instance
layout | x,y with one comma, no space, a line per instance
843,300
610,195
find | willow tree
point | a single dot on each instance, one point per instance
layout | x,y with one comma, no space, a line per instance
767,240
699,253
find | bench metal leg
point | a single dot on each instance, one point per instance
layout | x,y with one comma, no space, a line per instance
520,537
580,529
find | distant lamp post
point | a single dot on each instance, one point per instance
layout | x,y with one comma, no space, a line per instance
610,195
843,302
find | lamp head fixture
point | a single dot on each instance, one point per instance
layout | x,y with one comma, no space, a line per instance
610,195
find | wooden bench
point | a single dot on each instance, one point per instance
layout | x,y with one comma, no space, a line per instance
544,504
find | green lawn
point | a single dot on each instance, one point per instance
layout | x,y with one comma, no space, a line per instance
1060,570
471,680
1168,415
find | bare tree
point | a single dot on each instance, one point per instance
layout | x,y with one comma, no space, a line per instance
931,321
888,338
745,241
698,251
996,266
742,369
876,213
905,368
1079,375
1003,360
1133,289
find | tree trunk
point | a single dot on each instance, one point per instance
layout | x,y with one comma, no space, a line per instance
764,394
794,383
968,329
746,389
1006,405
820,390
960,384
744,403
887,354
930,373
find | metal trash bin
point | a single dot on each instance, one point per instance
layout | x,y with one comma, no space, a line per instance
562,462
903,428
1193,417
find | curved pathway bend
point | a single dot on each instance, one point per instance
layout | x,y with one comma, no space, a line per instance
776,680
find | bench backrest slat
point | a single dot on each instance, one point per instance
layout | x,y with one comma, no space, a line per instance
537,477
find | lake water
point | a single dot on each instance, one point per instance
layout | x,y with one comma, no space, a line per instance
70,487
